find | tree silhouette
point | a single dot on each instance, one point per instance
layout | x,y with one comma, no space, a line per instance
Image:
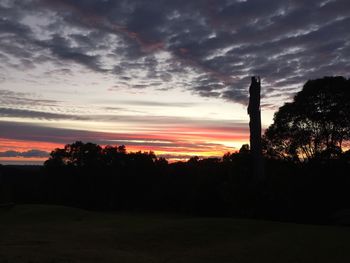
255,128
77,154
113,155
314,125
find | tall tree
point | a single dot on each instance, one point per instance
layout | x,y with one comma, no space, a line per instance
315,125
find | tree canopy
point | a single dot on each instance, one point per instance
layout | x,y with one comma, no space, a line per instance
314,125
80,154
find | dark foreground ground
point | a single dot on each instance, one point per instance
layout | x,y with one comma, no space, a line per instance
54,234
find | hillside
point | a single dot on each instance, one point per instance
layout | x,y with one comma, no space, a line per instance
38,233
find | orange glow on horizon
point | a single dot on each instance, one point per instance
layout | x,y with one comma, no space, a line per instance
21,145
173,143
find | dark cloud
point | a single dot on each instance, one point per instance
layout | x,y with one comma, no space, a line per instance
211,47
37,133
156,103
62,49
20,113
26,154
11,98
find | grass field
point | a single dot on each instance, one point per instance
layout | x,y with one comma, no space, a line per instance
54,234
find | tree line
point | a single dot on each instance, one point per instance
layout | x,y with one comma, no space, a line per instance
306,163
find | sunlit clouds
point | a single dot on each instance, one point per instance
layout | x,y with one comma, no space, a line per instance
166,76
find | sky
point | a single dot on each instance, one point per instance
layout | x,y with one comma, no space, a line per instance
160,75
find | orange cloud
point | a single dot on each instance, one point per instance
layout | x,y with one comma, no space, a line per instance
167,140
22,145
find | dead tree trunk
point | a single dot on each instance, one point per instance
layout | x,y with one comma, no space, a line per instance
255,129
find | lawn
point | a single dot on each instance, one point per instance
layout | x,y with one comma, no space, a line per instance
55,234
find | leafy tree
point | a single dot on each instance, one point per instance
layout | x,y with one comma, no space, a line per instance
77,154
58,158
314,125
80,154
113,155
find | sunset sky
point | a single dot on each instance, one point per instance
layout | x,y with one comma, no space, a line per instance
161,75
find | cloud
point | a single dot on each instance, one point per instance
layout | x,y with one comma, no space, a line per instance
19,113
190,137
62,49
208,47
156,103
26,154
10,98
138,121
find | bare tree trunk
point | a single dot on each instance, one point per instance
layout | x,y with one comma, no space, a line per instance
255,129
